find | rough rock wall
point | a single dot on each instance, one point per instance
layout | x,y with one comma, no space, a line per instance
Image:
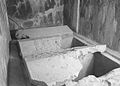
35,13
99,21
4,43
70,13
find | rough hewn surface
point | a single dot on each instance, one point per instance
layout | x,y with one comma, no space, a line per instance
55,68
35,13
99,21
4,43
58,64
70,13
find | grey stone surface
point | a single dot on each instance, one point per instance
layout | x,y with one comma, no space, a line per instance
110,79
35,13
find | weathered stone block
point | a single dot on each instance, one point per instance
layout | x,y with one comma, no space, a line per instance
45,39
40,46
55,68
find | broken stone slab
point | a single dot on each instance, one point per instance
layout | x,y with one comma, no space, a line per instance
61,66
90,80
110,79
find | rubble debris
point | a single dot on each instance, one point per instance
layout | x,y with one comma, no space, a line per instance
110,79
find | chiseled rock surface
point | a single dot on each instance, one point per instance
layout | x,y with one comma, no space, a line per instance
4,43
56,68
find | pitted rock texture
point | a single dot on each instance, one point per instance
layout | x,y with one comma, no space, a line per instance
35,13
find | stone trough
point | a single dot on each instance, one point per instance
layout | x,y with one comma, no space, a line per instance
57,57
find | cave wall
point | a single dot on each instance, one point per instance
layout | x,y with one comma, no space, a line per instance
35,13
99,20
70,13
4,43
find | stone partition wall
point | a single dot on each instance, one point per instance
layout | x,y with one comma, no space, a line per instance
70,13
4,43
35,13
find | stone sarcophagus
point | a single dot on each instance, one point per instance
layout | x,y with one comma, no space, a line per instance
57,56
44,39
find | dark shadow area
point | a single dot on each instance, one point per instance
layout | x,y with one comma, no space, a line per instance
16,74
12,33
98,66
76,43
103,65
68,14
